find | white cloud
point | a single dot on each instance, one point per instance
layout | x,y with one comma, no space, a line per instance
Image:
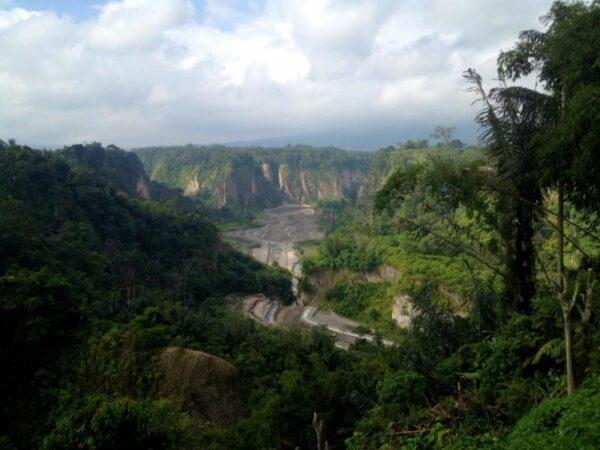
157,71
130,25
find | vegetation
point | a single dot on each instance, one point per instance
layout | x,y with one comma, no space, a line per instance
486,231
95,284
77,256
232,177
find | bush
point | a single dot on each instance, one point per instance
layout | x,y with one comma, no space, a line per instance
352,297
561,423
400,390
122,423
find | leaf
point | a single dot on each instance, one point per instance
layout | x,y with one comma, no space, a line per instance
470,375
551,348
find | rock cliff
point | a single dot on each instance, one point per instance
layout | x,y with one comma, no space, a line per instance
258,177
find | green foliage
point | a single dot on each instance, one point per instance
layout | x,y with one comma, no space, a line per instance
401,390
103,423
344,251
565,423
352,298
74,252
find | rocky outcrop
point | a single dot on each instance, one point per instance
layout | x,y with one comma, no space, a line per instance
270,184
193,186
402,310
271,173
206,385
298,185
142,188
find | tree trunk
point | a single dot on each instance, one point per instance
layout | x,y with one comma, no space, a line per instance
586,320
569,351
562,292
319,427
519,230
524,261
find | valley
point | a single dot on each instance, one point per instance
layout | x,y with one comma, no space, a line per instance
439,293
276,242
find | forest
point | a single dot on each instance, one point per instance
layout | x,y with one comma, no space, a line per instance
117,328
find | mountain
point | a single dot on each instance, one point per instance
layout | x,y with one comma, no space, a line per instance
361,136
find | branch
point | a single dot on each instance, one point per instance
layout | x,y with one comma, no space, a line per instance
456,245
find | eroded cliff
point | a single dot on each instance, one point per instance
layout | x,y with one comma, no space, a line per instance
259,177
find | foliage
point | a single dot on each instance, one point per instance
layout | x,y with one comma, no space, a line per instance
74,252
566,423
121,423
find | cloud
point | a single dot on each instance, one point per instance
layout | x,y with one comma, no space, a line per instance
130,25
143,72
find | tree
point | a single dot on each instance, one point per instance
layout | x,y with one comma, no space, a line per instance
565,60
510,119
457,143
443,134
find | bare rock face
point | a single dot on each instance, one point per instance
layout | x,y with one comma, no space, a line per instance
206,385
193,186
402,311
142,188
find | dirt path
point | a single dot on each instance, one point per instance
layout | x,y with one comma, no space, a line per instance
284,227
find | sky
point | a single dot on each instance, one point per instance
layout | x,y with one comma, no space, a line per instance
354,73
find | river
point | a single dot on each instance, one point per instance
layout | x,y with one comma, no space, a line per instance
277,240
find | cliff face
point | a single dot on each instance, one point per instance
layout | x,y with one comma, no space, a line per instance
240,181
259,177
296,184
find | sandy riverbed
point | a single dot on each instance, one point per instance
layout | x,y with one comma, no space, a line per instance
276,240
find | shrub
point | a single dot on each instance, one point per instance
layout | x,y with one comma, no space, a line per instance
123,423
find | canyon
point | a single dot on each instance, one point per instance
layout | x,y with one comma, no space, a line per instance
256,177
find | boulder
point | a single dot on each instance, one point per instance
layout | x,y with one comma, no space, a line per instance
206,386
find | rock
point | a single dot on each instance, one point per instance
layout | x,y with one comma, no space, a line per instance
402,311
206,385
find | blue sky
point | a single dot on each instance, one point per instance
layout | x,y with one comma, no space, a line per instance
79,9
87,9
357,73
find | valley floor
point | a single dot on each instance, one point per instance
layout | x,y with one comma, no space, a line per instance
284,228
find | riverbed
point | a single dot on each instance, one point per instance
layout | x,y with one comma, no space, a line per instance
283,229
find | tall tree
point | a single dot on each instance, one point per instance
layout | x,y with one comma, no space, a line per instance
443,134
510,119
566,59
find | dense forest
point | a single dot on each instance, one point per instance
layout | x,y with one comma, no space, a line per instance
117,330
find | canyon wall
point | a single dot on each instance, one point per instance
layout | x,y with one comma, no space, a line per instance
254,177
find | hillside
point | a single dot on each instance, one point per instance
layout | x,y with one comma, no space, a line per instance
255,176
121,170
77,256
